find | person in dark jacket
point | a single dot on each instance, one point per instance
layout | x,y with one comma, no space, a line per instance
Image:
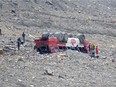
18,43
0,32
23,35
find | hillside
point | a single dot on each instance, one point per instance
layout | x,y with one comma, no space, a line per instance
26,68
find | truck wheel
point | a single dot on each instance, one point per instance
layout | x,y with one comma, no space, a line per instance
65,37
59,36
35,48
57,49
45,36
48,49
81,38
77,48
39,50
70,35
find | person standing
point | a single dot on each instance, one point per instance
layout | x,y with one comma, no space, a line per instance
23,35
97,52
0,32
18,43
92,50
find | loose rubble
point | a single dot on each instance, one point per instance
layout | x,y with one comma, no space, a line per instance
27,68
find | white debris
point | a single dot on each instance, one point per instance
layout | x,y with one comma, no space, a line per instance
19,80
32,86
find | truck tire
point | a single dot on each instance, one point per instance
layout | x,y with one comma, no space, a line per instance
35,47
45,36
39,50
81,38
47,49
59,36
65,37
70,35
62,37
77,48
57,49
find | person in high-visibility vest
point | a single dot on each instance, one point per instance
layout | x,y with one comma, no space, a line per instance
92,50
92,47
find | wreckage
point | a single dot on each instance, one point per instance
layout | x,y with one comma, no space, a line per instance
56,42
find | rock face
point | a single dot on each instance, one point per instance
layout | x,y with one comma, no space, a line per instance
27,68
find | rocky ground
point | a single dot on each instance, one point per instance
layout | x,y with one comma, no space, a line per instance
27,68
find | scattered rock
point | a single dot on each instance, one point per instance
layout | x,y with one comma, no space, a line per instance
57,15
20,60
1,51
49,3
13,11
62,55
8,49
19,80
113,60
60,77
105,57
21,85
107,63
97,56
79,11
48,72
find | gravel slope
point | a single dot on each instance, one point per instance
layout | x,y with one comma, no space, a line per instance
26,68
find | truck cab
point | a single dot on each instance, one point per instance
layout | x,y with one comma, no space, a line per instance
49,45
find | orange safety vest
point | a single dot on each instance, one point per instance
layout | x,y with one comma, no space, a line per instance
92,46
